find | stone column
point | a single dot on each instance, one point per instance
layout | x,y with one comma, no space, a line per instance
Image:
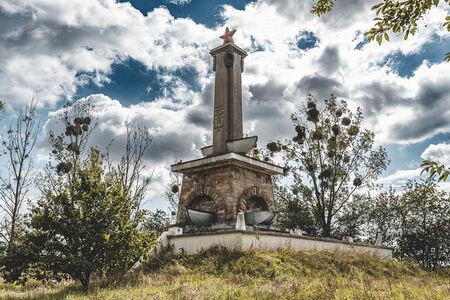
228,66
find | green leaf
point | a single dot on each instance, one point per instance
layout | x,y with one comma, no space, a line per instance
386,36
447,57
432,173
379,39
444,176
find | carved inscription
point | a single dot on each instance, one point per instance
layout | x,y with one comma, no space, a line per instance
218,117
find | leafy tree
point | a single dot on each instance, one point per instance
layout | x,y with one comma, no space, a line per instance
392,16
435,170
414,223
425,220
15,183
158,221
329,159
87,220
293,212
88,228
383,218
352,219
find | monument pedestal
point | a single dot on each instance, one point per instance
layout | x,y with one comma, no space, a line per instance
225,184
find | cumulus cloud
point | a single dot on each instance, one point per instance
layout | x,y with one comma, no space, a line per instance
400,178
173,137
179,2
46,47
437,152
55,48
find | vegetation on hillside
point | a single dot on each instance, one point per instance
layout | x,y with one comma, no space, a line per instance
88,218
221,274
328,187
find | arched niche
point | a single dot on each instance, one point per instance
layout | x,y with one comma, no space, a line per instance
253,199
206,199
202,202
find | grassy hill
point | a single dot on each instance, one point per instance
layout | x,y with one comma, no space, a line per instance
219,274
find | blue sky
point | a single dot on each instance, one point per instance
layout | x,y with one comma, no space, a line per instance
149,60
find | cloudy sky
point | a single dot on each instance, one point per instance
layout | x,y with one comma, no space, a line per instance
149,60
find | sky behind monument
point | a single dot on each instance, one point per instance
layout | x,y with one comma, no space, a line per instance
149,60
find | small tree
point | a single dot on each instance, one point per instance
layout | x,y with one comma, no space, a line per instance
329,159
87,229
383,217
15,183
88,219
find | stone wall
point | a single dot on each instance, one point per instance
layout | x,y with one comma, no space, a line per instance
225,190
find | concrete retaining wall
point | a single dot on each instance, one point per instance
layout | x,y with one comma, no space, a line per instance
244,240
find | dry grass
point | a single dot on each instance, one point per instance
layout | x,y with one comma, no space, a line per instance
219,274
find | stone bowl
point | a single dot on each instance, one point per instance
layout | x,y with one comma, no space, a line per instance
263,217
200,217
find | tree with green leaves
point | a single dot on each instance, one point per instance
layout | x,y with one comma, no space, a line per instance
158,221
392,16
88,220
88,228
329,159
424,217
435,170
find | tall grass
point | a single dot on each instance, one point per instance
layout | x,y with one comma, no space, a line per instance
222,274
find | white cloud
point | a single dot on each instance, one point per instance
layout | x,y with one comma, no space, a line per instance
173,137
54,47
399,178
437,152
47,45
179,2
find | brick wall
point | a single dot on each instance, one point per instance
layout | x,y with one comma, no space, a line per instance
225,191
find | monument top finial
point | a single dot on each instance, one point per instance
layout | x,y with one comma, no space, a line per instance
228,36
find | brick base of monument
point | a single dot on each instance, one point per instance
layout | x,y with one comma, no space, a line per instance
225,185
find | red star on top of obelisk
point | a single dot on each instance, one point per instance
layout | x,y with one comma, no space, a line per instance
228,36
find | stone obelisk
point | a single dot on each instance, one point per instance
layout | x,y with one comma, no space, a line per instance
228,64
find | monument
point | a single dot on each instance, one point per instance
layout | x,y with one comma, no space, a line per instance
226,180
226,197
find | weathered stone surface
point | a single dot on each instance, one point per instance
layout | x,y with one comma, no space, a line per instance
225,190
226,159
228,65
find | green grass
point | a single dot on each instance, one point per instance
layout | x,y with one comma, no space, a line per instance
220,274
